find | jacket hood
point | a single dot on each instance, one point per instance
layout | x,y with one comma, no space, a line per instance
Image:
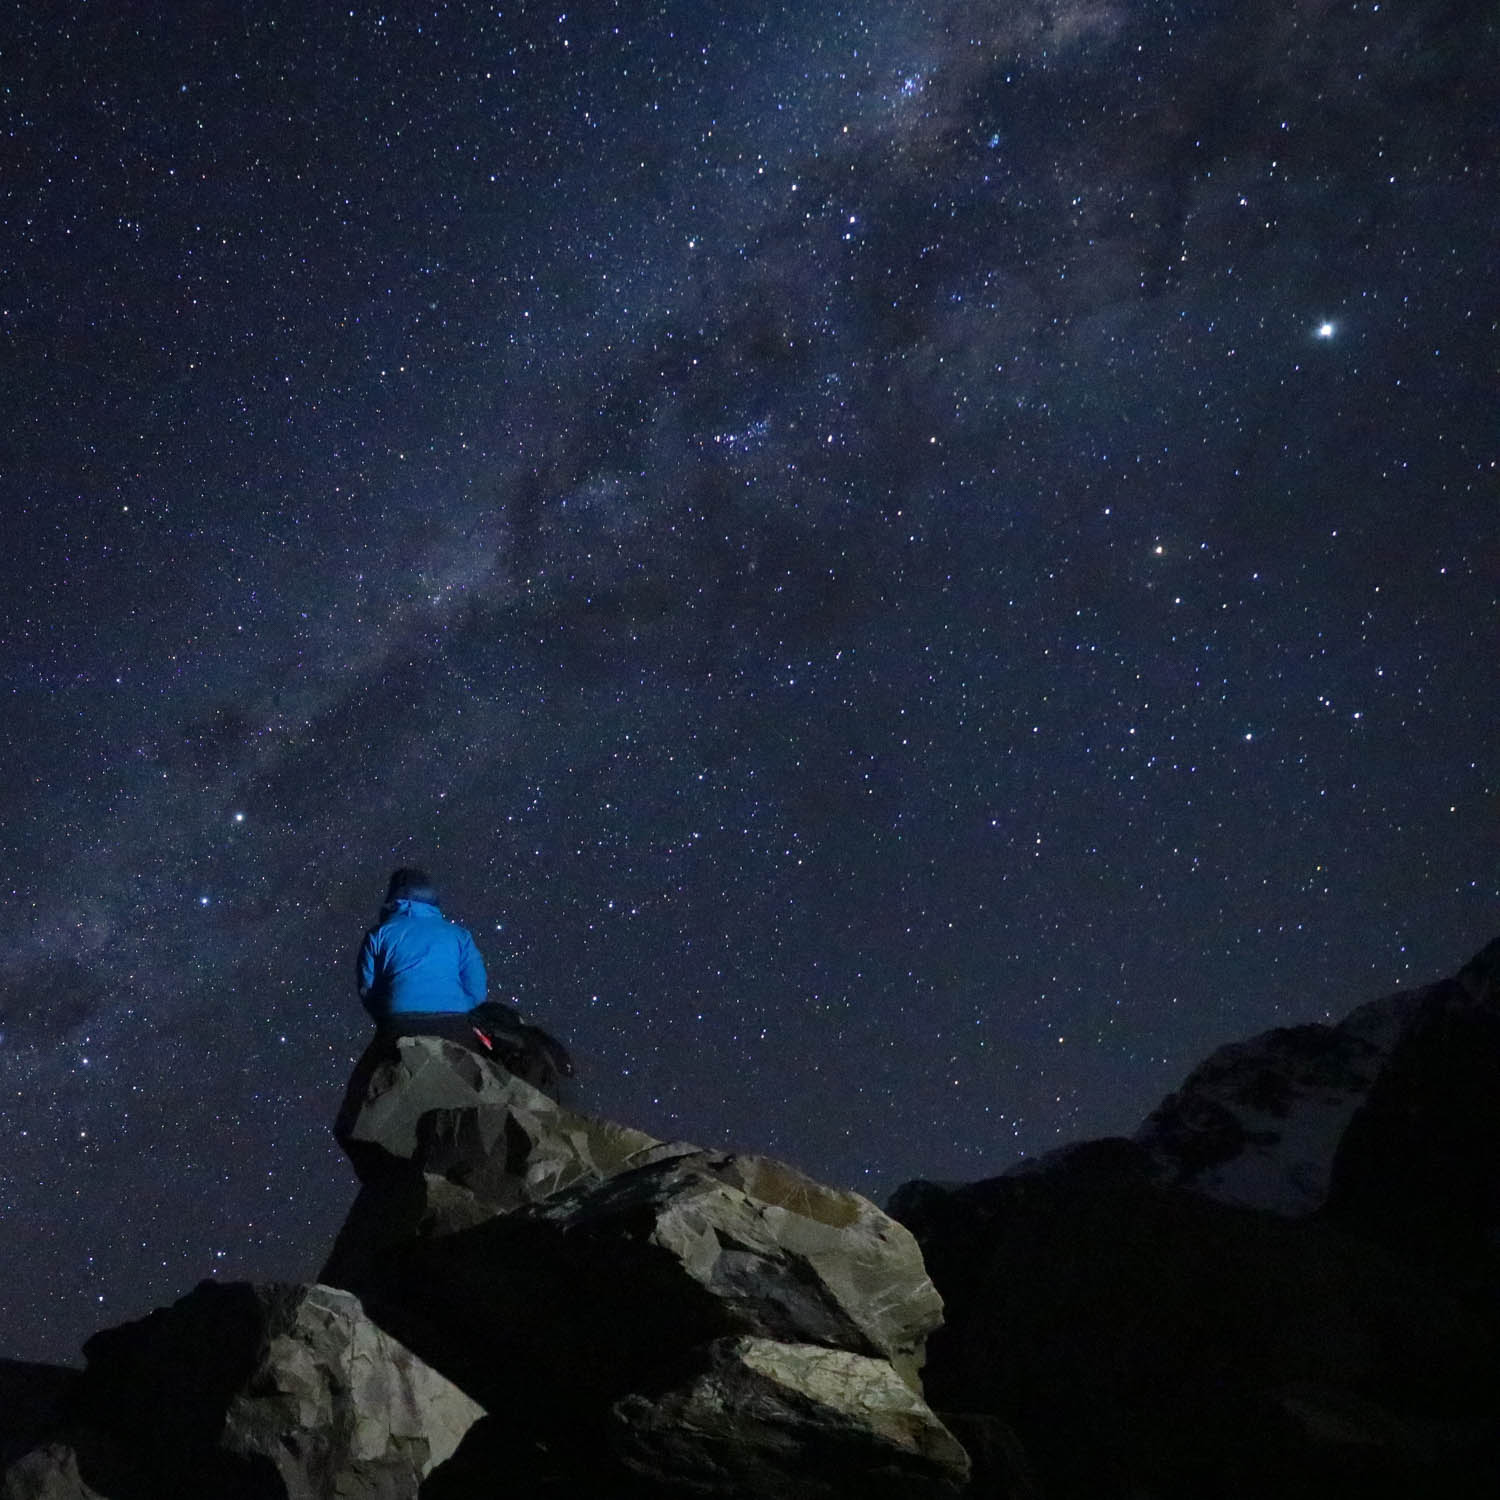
426,899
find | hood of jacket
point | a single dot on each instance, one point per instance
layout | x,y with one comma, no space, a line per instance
412,906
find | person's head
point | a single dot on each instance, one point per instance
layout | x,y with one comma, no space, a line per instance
410,884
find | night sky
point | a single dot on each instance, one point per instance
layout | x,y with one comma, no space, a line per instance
909,570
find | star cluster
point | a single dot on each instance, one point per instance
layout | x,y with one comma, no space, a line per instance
909,572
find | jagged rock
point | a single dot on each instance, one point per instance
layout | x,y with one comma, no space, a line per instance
1395,1108
486,1204
426,1103
779,1421
607,1264
286,1392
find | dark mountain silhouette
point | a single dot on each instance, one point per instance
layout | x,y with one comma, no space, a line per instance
1284,1284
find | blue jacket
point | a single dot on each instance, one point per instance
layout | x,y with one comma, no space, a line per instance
416,960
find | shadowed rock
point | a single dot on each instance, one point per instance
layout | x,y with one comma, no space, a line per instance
426,1103
465,1166
607,1264
282,1392
1141,1339
50,1471
779,1421
555,1305
33,1399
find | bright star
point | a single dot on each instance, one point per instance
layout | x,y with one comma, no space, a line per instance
1325,330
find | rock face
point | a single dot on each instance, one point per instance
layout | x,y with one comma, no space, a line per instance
1286,1284
617,1270
284,1391
1388,1121
527,1300
797,1420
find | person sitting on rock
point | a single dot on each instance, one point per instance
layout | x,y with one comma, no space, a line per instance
419,973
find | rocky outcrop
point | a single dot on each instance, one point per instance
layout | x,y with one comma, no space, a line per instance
288,1392
49,1471
616,1270
492,1173
786,1421
529,1297
1285,1284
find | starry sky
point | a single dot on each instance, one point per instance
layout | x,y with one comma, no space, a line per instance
909,570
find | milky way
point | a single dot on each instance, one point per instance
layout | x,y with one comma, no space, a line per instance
908,574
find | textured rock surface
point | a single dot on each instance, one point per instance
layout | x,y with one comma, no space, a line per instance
1396,1106
641,1319
778,1421
607,1264
430,1104
333,1397
281,1391
506,1209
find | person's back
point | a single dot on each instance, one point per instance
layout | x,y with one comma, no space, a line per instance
421,975
416,963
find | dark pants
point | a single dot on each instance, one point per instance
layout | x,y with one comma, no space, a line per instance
450,1025
526,1051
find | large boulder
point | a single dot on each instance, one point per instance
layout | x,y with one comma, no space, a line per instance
464,1165
244,1392
50,1471
606,1264
421,1102
776,1421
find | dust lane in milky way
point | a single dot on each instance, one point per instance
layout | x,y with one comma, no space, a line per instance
908,574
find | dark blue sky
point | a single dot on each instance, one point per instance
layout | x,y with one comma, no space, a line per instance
908,572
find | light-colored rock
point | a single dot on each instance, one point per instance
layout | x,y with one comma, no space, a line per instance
1259,1122
448,1145
433,1105
49,1472
334,1394
785,1256
283,1390
769,1420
